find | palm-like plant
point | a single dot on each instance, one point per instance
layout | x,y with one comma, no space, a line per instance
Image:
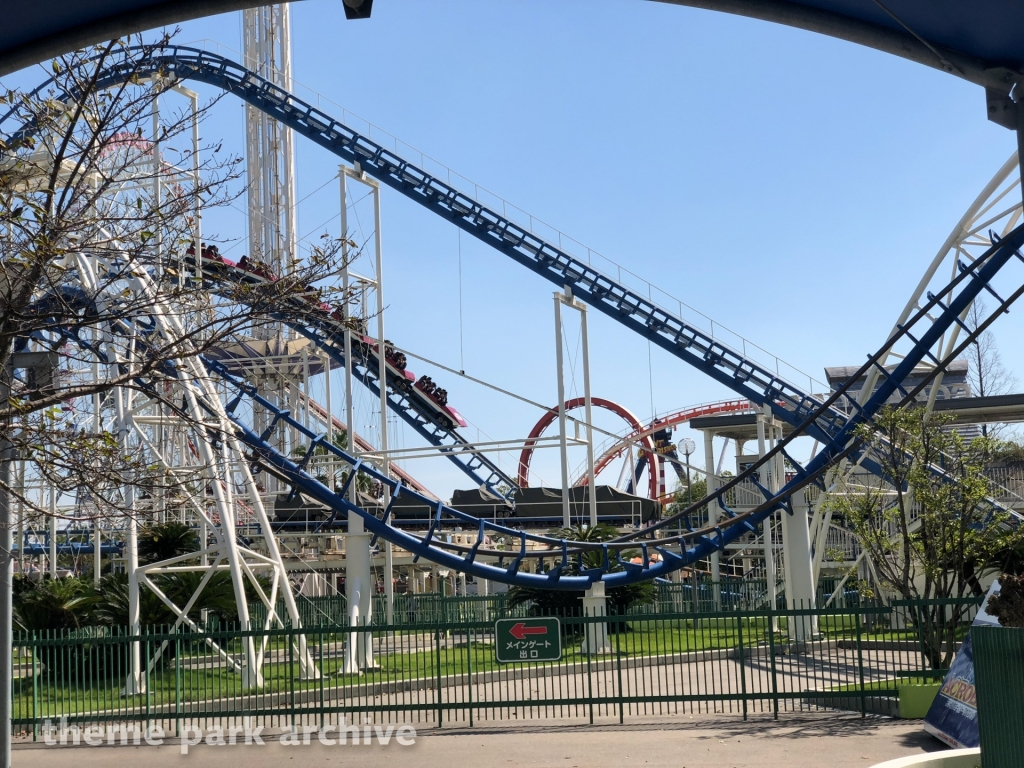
111,607
218,596
162,541
55,604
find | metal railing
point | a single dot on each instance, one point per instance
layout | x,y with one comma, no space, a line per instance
437,672
1008,483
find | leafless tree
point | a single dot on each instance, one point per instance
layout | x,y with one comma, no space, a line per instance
97,223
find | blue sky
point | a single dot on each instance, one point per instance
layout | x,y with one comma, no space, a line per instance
791,186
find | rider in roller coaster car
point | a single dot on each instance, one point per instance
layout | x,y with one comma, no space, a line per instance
257,268
212,253
397,359
352,323
436,393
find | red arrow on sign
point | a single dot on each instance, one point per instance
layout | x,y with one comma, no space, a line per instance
519,631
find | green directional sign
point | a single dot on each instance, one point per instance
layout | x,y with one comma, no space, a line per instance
527,640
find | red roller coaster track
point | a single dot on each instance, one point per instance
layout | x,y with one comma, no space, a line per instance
578,402
671,420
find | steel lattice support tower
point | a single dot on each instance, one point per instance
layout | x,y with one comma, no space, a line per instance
270,156
270,169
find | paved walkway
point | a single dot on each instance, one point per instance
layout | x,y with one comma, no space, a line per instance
681,741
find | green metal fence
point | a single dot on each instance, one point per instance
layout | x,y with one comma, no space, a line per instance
436,672
409,608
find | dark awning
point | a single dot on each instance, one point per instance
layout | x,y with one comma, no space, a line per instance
611,503
981,40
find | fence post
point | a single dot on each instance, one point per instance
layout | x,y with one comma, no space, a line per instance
437,658
177,683
743,664
618,666
35,690
146,681
291,672
860,667
771,657
469,668
590,680
322,675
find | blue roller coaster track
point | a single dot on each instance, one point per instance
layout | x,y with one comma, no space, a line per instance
692,345
500,552
327,334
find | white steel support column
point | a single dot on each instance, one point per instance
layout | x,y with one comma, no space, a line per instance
568,300
591,478
19,485
389,583
796,541
204,538
819,534
347,338
382,375
136,683
779,472
358,575
563,448
712,482
97,551
595,603
796,550
326,360
53,532
769,480
359,592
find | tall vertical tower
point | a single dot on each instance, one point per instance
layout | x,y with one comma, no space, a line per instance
270,158
270,170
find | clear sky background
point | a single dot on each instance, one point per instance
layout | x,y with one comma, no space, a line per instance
791,186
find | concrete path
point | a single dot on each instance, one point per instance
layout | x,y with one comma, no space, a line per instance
680,741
